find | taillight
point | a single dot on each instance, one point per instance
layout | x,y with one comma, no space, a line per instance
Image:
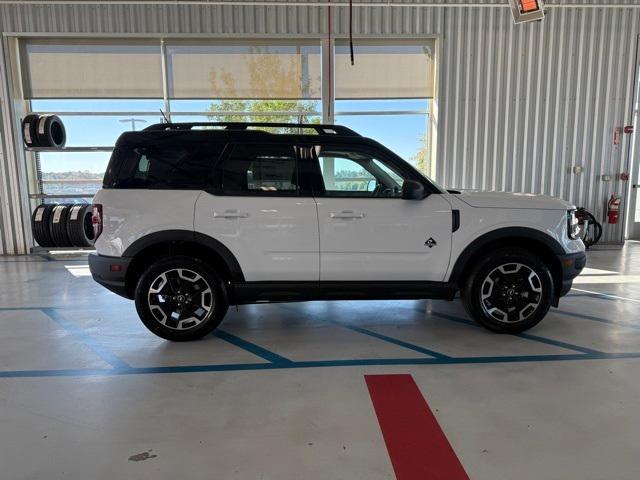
96,220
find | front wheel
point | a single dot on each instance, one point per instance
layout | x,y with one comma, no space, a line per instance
509,291
181,299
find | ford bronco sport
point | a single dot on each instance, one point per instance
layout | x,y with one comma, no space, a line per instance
195,217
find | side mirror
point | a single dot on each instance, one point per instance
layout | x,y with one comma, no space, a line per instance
412,190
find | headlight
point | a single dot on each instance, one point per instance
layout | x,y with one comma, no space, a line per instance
573,227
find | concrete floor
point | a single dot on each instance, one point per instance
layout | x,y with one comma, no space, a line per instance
87,393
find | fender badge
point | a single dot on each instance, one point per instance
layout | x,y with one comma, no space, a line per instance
431,242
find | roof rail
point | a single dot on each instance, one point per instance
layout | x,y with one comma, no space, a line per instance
321,129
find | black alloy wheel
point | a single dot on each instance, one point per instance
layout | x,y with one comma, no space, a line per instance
509,290
181,299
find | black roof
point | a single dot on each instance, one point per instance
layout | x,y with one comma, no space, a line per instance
168,133
320,129
163,135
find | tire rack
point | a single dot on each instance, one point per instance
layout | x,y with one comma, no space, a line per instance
40,195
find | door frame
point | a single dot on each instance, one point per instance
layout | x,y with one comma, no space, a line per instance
632,196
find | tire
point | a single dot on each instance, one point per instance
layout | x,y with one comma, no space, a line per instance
51,132
29,130
79,227
58,225
157,293
508,291
40,220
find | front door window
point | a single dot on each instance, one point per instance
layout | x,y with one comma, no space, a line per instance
349,173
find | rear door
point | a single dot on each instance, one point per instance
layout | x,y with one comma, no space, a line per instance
367,231
259,211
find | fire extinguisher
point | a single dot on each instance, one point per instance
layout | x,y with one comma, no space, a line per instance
613,209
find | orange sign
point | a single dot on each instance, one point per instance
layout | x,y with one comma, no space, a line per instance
527,6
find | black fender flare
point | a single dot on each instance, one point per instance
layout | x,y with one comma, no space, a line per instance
167,236
502,233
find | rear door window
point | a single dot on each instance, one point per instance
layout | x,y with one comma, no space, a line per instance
260,169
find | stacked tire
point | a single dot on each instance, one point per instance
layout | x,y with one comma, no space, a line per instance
40,225
79,226
44,131
62,225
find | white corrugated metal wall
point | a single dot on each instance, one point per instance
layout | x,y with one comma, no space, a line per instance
14,228
522,105
519,106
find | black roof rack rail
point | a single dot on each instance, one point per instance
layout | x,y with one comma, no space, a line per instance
321,129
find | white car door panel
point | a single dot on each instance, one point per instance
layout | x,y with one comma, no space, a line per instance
367,231
259,215
273,238
384,239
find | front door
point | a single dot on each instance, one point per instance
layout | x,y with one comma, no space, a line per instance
258,211
367,231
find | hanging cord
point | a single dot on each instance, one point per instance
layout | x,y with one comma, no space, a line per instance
593,230
351,30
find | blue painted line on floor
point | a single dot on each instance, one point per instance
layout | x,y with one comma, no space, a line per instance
598,319
559,343
14,309
56,307
600,296
317,364
526,336
392,340
277,361
87,340
252,348
379,336
592,295
72,372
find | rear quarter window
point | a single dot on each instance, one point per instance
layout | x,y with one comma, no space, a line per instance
165,165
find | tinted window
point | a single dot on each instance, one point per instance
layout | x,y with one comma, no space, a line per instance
260,169
166,165
347,172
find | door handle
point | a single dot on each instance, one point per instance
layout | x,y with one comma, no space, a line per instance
230,214
346,214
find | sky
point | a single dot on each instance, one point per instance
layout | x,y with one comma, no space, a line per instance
400,133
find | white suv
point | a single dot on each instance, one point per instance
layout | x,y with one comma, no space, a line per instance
195,217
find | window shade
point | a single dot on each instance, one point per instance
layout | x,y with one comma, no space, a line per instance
244,71
385,70
95,69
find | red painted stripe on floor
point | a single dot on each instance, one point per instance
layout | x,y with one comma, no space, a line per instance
418,447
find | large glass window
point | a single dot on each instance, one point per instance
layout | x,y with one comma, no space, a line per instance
93,126
251,71
387,94
71,173
246,82
104,87
92,69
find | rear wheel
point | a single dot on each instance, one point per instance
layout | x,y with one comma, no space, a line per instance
509,291
181,299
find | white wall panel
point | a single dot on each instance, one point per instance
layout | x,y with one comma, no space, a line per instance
14,219
522,105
